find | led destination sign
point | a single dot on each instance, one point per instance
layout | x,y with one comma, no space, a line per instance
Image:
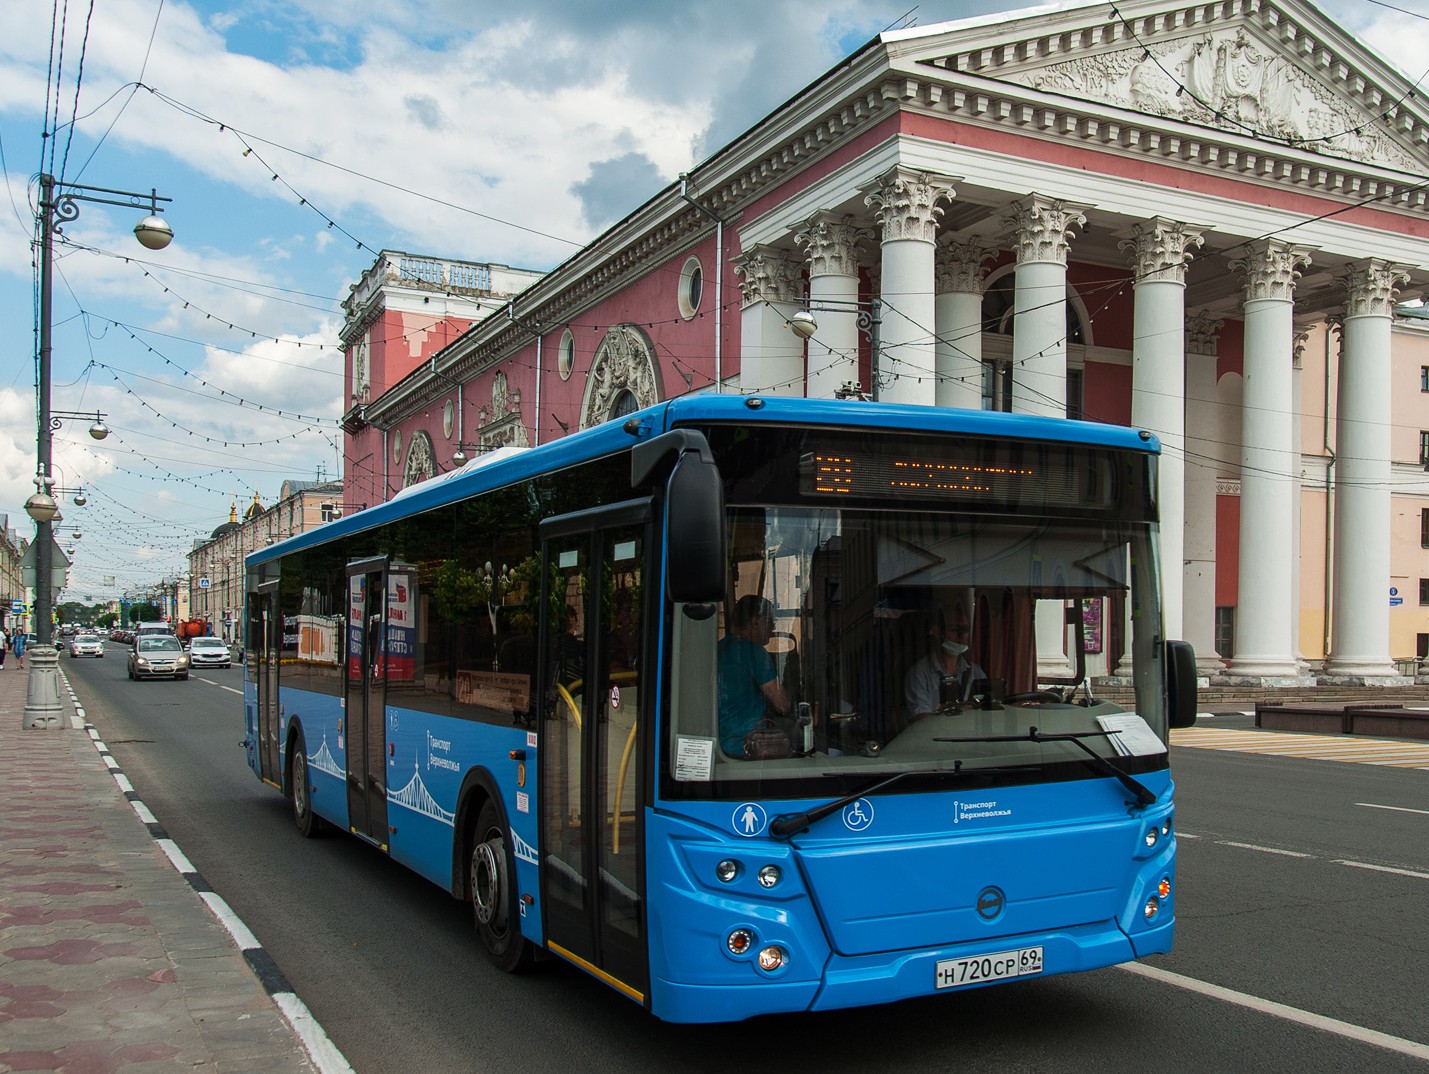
841,473
991,474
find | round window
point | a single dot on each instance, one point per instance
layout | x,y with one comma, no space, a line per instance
396,445
447,412
692,285
566,360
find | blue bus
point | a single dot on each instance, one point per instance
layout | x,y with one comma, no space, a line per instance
746,704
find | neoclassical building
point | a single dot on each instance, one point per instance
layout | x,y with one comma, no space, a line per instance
1207,220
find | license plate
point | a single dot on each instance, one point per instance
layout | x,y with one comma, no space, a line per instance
955,972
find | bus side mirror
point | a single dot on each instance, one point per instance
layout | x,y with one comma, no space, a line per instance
1181,683
694,530
694,512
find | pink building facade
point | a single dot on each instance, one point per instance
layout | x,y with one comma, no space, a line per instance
1205,220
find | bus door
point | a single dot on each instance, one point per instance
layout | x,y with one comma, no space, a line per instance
264,646
364,721
596,719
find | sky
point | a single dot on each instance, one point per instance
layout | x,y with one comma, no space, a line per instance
297,139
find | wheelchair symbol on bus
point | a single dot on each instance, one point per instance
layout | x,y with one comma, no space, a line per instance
858,815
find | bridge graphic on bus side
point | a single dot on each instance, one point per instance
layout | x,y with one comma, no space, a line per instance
418,799
324,761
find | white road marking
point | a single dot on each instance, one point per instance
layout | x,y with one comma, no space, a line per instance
1265,850
1381,868
1348,1030
1396,808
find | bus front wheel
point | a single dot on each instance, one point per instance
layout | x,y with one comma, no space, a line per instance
492,886
308,823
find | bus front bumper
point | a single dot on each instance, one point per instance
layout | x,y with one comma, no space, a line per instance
887,977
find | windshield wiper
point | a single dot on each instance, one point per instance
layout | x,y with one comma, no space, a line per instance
1139,790
787,824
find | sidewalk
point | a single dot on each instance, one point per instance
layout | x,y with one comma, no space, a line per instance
110,961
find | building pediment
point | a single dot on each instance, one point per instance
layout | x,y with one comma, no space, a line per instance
1271,72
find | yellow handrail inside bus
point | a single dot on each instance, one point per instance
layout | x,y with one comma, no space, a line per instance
571,701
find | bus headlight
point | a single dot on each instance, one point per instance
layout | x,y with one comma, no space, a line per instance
727,870
1152,907
769,876
1152,836
772,958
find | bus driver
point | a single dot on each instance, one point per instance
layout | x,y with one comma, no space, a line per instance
748,685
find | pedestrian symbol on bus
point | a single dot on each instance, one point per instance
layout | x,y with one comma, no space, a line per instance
749,819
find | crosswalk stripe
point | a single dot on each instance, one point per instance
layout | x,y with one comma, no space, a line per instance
1314,747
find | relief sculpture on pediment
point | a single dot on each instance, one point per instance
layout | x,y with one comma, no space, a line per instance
1230,81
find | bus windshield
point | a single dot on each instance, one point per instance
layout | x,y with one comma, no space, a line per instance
856,641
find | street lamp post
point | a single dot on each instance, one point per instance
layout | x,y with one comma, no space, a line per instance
59,204
868,320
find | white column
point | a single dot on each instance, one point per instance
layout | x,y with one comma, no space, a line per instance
1043,228
1359,638
957,318
771,356
1270,465
1039,327
832,245
1203,450
1160,249
906,208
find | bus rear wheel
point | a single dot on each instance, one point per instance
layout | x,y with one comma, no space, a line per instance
308,823
492,889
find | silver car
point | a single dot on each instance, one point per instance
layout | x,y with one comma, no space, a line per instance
86,645
209,653
158,656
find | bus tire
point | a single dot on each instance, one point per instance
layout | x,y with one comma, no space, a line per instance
491,888
308,823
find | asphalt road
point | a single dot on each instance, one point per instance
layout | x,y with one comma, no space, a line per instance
1297,893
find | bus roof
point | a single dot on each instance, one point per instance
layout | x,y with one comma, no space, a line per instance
504,466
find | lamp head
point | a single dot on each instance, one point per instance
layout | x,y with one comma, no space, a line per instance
803,324
99,430
42,507
153,233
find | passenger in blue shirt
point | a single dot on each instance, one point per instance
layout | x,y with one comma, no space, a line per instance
749,688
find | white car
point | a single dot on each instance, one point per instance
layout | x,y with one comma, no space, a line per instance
86,645
209,652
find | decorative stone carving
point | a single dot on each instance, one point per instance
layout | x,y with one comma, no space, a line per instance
1161,249
500,397
833,243
361,384
959,267
905,203
1202,333
625,361
1229,80
768,275
421,462
1043,228
1271,268
1371,286
506,431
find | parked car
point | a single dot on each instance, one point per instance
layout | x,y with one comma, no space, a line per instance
158,656
86,645
209,652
